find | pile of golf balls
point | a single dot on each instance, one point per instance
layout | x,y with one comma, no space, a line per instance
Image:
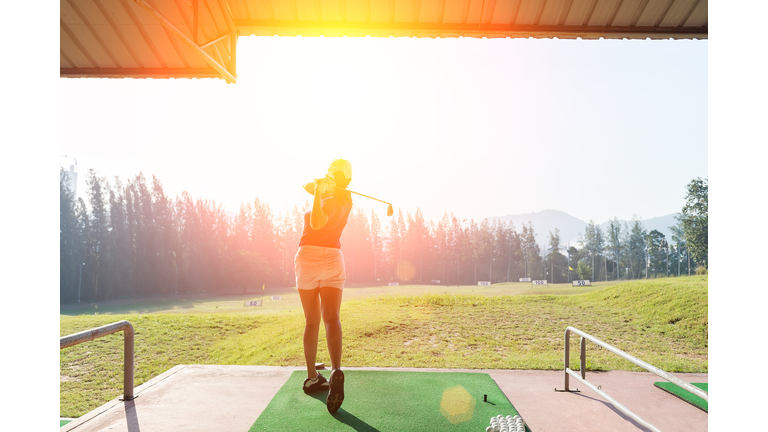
506,424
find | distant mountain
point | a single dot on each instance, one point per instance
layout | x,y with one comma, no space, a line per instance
571,228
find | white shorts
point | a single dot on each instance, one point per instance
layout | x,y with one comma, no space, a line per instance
318,266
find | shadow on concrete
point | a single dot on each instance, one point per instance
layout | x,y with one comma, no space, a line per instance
620,414
346,417
131,416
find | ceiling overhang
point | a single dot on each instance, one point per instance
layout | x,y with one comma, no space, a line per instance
155,38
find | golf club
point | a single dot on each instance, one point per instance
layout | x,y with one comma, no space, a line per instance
309,187
390,212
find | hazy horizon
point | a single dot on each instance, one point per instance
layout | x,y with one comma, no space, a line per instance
481,128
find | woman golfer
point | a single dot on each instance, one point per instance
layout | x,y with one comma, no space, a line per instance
320,275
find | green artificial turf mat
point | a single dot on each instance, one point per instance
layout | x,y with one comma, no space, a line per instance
390,401
62,422
685,394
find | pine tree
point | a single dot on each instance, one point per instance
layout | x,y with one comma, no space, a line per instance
532,252
84,252
119,240
554,255
615,245
68,239
377,246
165,239
696,220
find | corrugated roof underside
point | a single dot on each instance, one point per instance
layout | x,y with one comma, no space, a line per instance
474,18
118,38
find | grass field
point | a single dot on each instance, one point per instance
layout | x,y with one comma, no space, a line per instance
505,326
201,303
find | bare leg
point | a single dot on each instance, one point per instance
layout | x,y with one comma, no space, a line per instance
330,305
310,301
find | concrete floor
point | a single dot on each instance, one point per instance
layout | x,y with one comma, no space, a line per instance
230,398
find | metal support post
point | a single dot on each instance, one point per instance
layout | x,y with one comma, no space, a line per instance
128,344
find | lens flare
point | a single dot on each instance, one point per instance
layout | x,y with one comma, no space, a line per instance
457,405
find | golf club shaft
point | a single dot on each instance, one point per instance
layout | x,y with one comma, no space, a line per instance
358,193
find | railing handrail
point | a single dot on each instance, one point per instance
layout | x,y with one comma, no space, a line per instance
583,368
95,333
649,367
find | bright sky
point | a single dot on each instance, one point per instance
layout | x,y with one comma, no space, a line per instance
480,128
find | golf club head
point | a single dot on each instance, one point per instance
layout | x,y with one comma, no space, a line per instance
390,212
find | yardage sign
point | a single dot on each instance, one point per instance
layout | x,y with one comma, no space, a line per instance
252,303
525,279
483,283
539,282
394,284
581,283
276,298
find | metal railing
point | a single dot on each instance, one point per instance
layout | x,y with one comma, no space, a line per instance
94,333
583,369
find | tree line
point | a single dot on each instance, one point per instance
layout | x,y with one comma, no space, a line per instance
133,240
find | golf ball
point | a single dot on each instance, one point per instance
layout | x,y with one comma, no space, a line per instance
489,429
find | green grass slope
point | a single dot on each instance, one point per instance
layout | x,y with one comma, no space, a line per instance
663,322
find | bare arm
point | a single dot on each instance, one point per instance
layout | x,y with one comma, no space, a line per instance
317,218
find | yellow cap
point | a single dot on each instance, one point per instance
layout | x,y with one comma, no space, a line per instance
340,165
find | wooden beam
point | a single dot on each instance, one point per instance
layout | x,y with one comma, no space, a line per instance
66,59
541,12
233,53
179,51
78,45
192,45
183,12
590,12
195,14
615,12
216,28
119,33
222,59
489,10
220,38
638,12
664,14
139,73
227,12
479,30
515,12
96,36
688,15
565,11
143,32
